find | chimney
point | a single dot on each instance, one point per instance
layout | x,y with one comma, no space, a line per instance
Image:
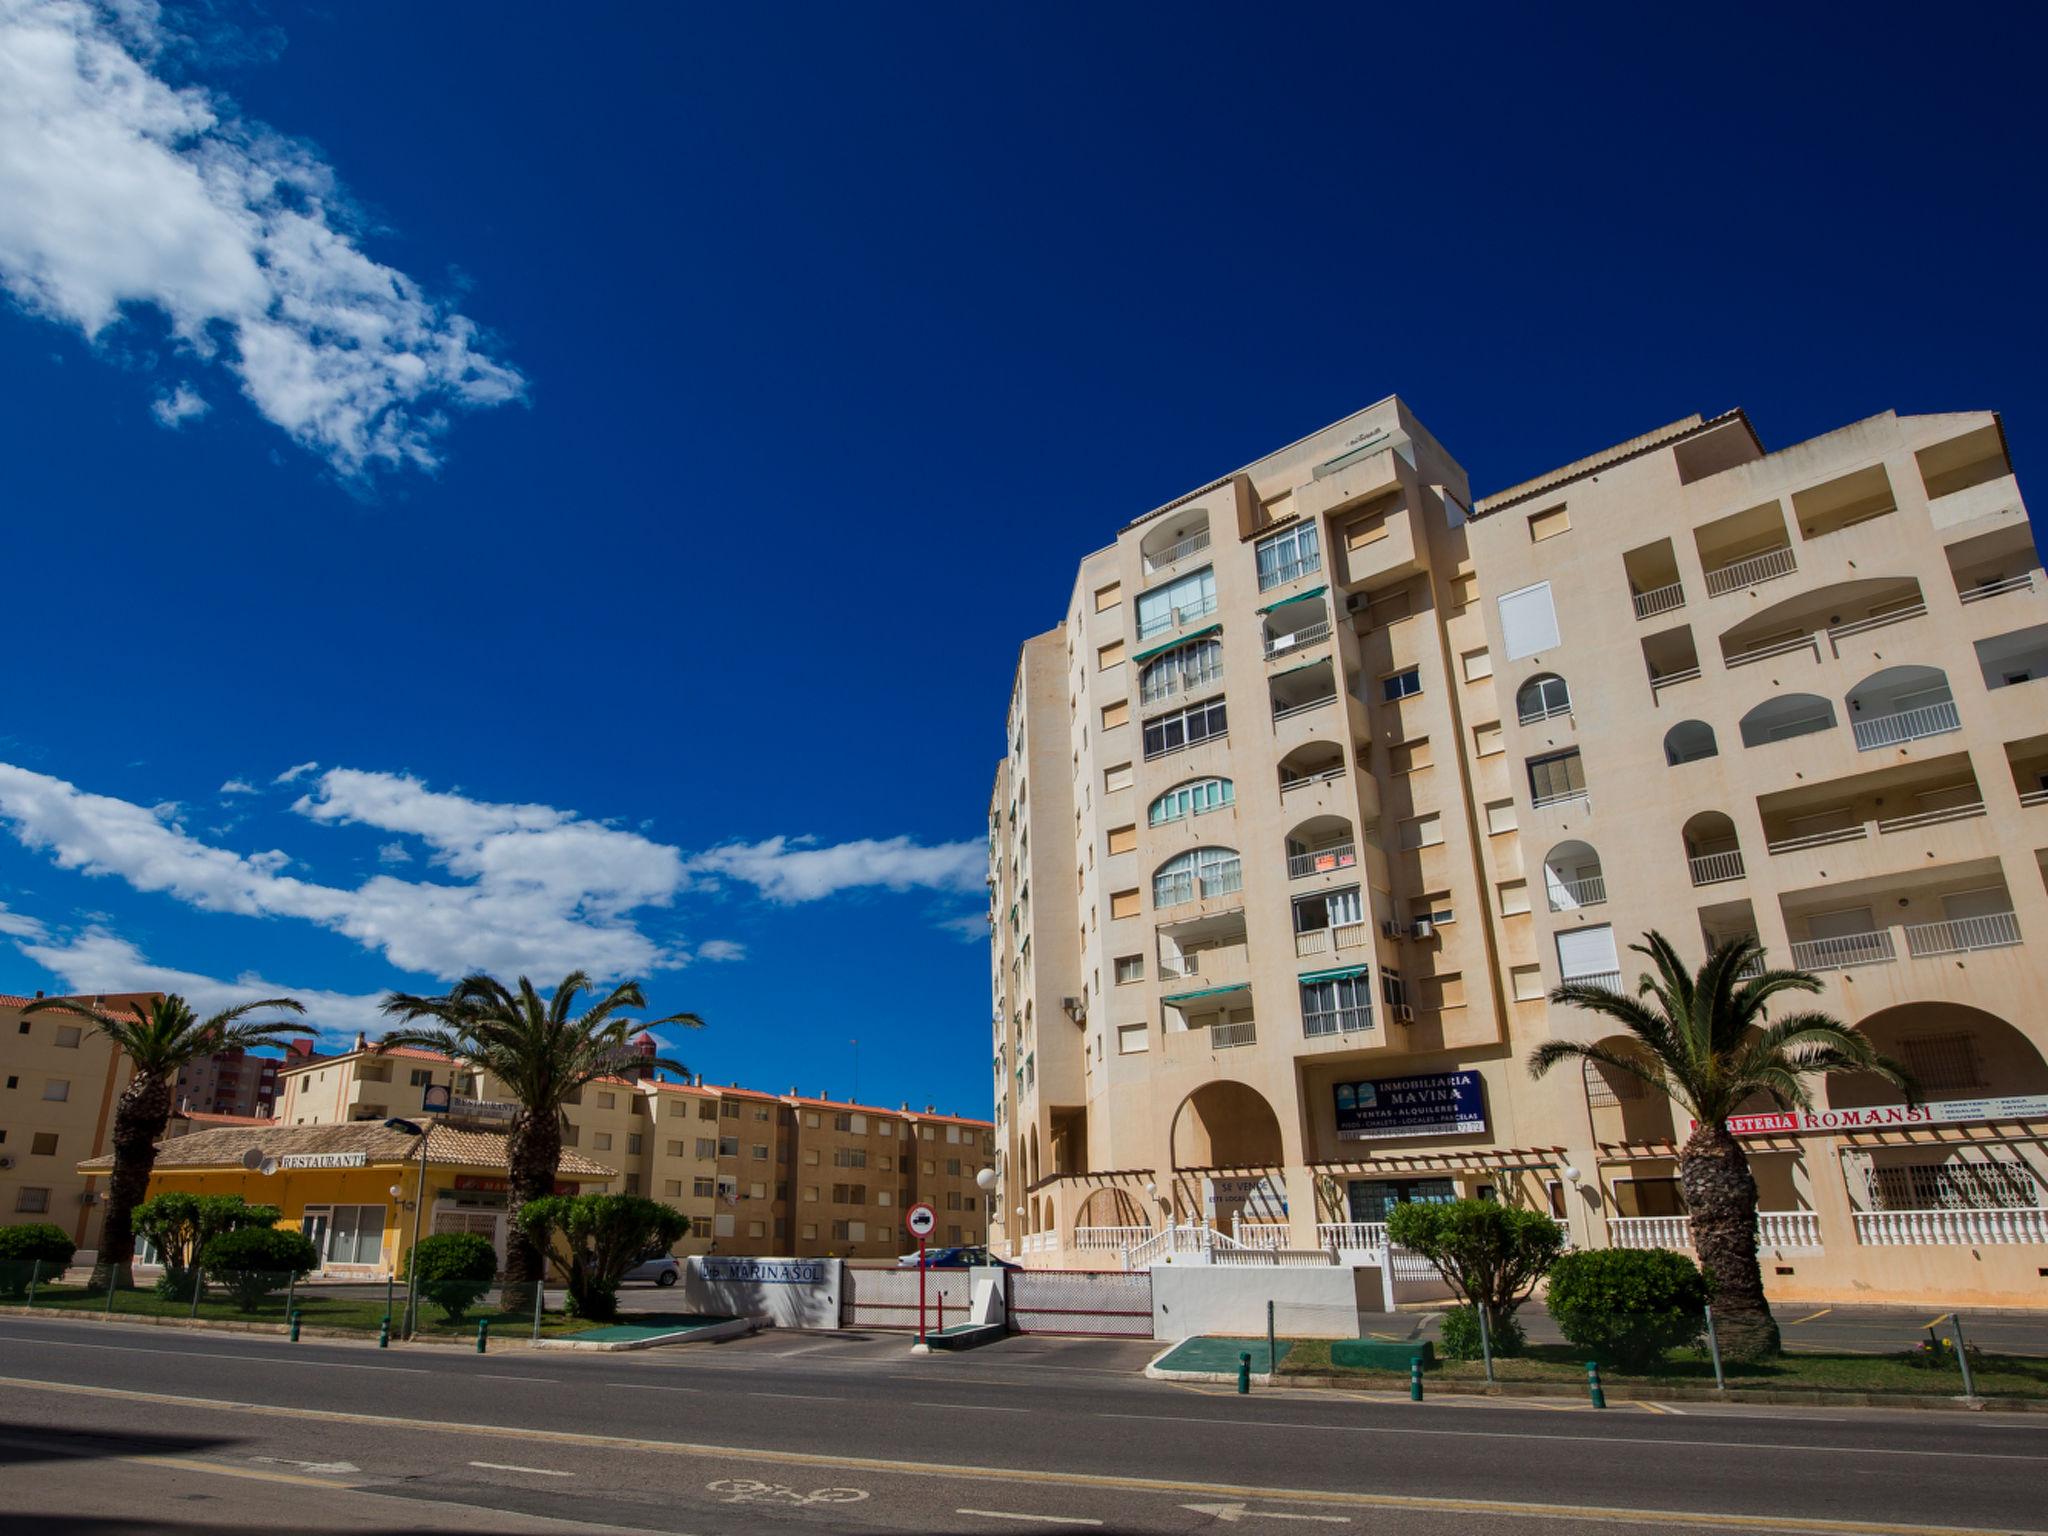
362,1041
39,991
929,1110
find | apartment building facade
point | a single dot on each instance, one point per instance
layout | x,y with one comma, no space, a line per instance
1331,773
236,1082
757,1173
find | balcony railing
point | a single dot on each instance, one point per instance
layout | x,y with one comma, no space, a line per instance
1306,780
1907,725
1854,833
1768,566
1609,981
1951,1228
1859,830
1193,544
1562,797
1662,680
1229,1036
1167,682
1782,1230
2034,797
1932,818
1713,868
1288,712
1113,1239
1316,1022
1176,890
1173,618
1322,941
1307,635
1567,894
1898,615
1659,600
1994,930
1290,570
2020,583
1845,951
1775,648
1321,861
1545,712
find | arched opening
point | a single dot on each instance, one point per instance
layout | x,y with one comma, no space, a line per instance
1786,716
1112,1207
1712,851
1174,539
1322,845
1031,1158
1197,875
1688,742
1196,797
1572,877
1901,704
1840,609
1226,1124
1195,664
1543,696
1313,762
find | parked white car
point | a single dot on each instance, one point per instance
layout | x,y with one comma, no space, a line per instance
662,1269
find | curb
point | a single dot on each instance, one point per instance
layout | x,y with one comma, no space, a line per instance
266,1330
710,1333
1629,1394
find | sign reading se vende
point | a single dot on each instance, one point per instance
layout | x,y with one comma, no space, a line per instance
920,1220
1880,1117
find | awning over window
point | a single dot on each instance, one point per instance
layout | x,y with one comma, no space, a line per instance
1188,997
1299,597
1340,973
1178,641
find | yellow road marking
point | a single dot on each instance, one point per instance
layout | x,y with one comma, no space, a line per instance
1936,1322
1038,1477
1823,1312
1651,1408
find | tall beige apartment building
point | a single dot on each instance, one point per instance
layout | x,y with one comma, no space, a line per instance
1332,771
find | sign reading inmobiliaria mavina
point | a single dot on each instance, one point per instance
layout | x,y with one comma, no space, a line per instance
1428,1104
1799,1122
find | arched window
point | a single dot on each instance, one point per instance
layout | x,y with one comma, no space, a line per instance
1688,742
1786,716
1183,667
1198,873
1194,798
1541,697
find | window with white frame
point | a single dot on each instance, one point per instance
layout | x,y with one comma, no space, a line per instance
1183,667
1181,600
1196,874
1336,1006
1287,555
1183,728
354,1233
1197,797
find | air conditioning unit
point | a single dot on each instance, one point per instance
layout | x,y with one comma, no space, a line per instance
1394,930
1353,601
1076,1009
1424,928
1401,1013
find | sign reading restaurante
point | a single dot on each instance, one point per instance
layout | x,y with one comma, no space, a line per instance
1799,1122
324,1160
1428,1104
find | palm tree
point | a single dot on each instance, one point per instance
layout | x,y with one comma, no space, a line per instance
159,1036
542,1051
1706,1042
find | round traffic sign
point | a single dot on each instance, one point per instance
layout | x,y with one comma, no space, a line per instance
921,1219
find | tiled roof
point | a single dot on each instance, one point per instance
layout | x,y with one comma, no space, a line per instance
379,1143
208,1117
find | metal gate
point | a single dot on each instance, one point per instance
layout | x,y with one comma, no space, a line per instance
1098,1302
884,1296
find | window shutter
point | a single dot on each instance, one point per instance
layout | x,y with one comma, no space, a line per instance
1528,621
1587,952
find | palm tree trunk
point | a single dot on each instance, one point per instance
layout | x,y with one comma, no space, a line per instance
533,1154
140,1118
1720,1192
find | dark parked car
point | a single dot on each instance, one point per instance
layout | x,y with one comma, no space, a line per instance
956,1258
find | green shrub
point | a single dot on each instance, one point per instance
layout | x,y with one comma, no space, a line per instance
1461,1339
1490,1255
254,1261
181,1225
592,1240
453,1270
24,1248
1627,1306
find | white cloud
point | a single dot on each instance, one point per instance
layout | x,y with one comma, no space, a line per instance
238,787
296,771
968,927
793,869
17,926
393,853
710,949
99,961
181,405
118,189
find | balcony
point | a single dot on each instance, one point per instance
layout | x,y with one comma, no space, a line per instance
1844,952
1332,940
1561,797
1998,587
1318,1022
1322,861
1936,719
1993,930
1951,1228
1176,617
1303,689
1858,831
1713,868
1179,889
1231,1035
1298,639
1751,571
1568,895
1607,981
1659,600
1170,555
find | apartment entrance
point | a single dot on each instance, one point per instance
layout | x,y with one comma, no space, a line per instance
1371,1199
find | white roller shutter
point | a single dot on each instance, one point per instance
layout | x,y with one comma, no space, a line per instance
1528,621
1587,952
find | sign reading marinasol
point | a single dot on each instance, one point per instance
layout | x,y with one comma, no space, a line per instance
1428,1104
766,1271
1880,1117
324,1160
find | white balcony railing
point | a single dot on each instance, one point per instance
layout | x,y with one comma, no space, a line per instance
1855,832
1316,1022
1309,780
1177,890
1538,712
1662,680
1290,570
1897,615
1353,1236
1609,981
1114,1239
1768,566
1994,930
1229,1036
1921,819
1785,1231
1845,951
1772,648
1562,797
1659,600
1907,725
1322,941
2034,797
1289,711
1295,640
1259,1234
1713,868
1193,544
1173,618
1321,861
2020,583
1951,1228
1567,894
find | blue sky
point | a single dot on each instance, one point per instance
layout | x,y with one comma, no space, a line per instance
588,483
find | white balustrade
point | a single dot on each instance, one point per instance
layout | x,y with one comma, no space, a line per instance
1260,1234
1288,712
1609,981
1295,640
1951,1228
1562,797
1316,1022
1775,648
1845,951
1307,780
1194,543
1229,1036
1932,818
1898,615
1769,565
1907,725
1712,868
1662,680
2020,583
1321,861
1993,930
1650,1231
1568,894
1854,833
1115,1239
1353,1236
1659,600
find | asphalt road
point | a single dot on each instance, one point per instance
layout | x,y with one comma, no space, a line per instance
109,1428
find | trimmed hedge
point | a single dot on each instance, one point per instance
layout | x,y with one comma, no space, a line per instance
254,1261
23,1248
453,1270
1627,1306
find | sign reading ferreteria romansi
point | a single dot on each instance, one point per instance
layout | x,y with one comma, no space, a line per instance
1884,1117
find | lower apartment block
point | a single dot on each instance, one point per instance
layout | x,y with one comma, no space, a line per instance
1331,772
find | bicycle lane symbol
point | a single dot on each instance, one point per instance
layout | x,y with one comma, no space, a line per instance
747,1490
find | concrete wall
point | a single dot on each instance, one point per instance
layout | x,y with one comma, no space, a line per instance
1192,1299
790,1293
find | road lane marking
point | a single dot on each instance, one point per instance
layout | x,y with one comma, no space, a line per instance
964,1407
331,1468
1823,1312
485,1376
1230,1514
1038,1477
506,1466
1936,1322
805,1397
648,1386
1004,1514
208,1354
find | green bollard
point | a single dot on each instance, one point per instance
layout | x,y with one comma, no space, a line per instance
1593,1384
295,1325
1415,1378
384,1334
1244,1372
483,1334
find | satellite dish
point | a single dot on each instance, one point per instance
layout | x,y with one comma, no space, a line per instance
253,1159
269,1166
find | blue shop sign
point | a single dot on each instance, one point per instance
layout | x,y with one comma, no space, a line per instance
1428,1104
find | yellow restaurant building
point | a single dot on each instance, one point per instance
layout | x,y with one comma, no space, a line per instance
355,1189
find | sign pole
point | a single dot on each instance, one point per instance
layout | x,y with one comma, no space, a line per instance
920,1221
920,1290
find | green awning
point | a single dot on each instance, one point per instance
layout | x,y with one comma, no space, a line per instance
1188,997
1300,666
1340,973
1179,640
1299,597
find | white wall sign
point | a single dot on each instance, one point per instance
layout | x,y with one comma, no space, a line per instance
1798,1122
324,1160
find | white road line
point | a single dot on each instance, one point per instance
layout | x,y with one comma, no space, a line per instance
506,1466
807,1397
1004,1514
649,1386
488,1376
964,1407
208,1354
1501,1434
